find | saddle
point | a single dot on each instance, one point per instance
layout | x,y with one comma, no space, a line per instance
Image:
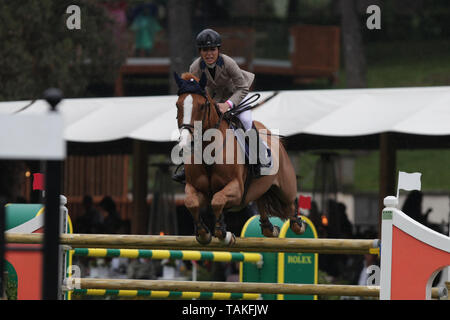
244,142
236,125
254,170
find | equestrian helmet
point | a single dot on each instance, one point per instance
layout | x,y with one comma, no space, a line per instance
208,38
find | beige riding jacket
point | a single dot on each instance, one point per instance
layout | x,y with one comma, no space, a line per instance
230,82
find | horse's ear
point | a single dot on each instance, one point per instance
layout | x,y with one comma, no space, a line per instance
202,81
177,79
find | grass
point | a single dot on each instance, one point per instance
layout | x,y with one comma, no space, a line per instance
409,64
433,164
406,64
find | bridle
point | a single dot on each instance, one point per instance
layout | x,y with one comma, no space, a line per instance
187,126
206,115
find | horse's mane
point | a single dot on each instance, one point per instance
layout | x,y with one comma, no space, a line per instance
188,76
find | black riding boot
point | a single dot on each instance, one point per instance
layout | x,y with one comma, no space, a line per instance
264,158
179,175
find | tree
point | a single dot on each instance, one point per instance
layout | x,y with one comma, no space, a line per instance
38,50
354,56
181,42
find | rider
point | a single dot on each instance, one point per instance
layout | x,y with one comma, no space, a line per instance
226,82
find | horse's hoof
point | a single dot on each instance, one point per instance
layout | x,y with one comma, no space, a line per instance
220,233
229,239
303,228
203,239
232,240
272,232
276,231
298,226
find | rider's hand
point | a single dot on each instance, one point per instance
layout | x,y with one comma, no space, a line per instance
223,107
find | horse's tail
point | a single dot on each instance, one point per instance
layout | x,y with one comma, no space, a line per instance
271,204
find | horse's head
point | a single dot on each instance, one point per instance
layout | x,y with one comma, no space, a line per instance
192,103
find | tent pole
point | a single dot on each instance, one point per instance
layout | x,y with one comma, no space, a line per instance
387,182
139,219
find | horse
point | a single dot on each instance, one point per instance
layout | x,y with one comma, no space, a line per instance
226,186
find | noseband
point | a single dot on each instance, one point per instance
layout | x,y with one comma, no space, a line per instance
207,106
187,126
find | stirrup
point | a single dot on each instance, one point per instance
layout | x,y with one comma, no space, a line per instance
179,175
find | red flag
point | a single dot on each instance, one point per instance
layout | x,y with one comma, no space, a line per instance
38,181
304,202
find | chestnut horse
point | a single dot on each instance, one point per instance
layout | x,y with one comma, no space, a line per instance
223,185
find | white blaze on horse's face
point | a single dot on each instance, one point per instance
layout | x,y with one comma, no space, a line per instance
187,115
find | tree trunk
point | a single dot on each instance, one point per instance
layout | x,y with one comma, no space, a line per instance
354,56
181,42
292,14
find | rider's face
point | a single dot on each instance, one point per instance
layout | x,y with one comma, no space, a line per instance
209,55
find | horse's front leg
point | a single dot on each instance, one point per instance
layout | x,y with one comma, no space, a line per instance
194,201
230,195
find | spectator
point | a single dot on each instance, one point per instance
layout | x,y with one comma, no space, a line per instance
112,223
413,207
117,12
316,219
146,26
340,226
360,265
90,221
346,226
369,260
143,268
21,199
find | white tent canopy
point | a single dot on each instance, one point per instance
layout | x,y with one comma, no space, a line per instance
337,113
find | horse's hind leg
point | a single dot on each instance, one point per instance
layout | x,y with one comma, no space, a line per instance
267,228
230,195
194,201
295,222
274,204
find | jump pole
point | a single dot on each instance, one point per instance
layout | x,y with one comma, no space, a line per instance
328,246
232,287
235,287
167,294
168,254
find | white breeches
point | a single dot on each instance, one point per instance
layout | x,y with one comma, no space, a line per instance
246,116
246,119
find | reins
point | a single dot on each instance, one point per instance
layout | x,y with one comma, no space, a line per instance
241,107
